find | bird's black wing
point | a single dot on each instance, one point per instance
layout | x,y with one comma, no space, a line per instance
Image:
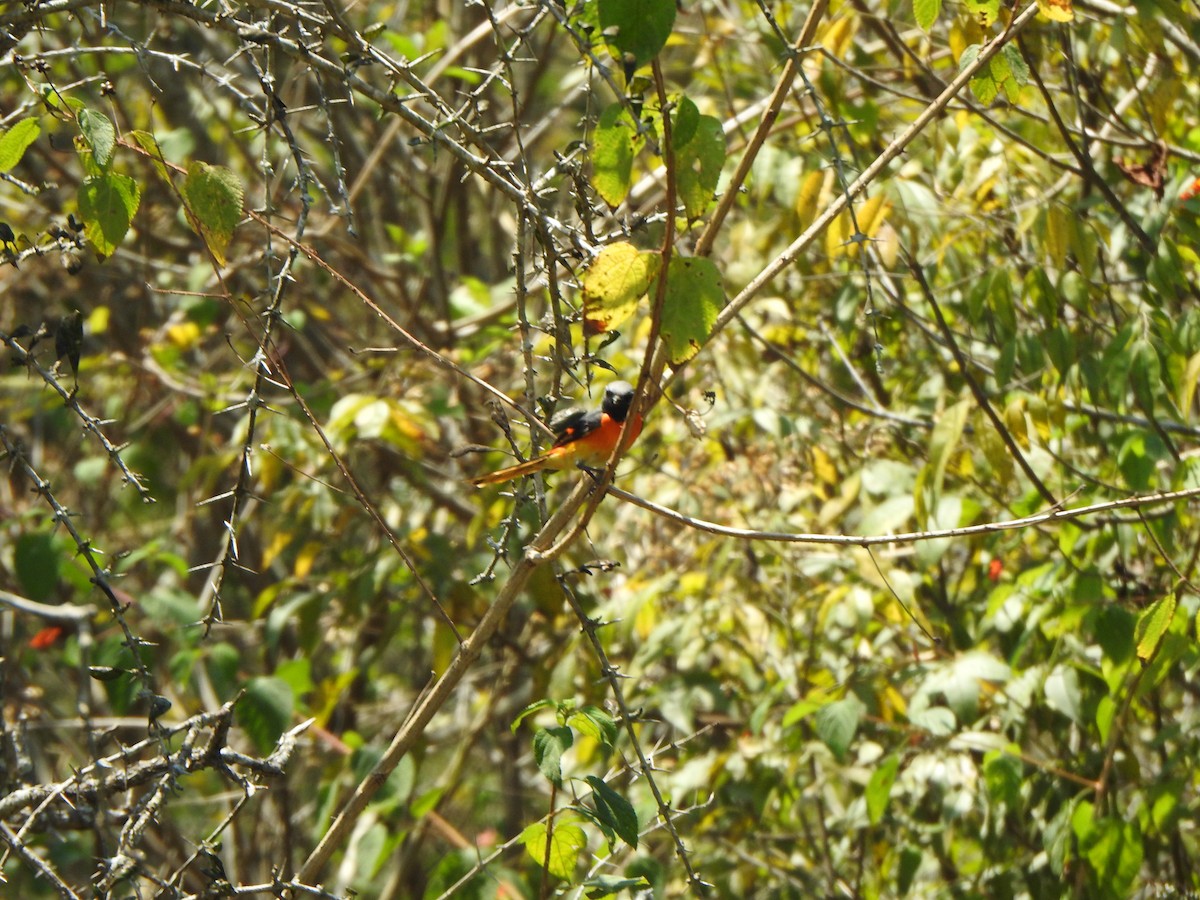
572,424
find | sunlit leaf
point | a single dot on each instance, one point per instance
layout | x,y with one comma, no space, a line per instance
694,299
926,12
612,153
1057,10
16,140
699,155
879,788
99,135
615,282
107,204
1153,624
558,850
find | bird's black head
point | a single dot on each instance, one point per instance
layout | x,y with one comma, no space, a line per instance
617,397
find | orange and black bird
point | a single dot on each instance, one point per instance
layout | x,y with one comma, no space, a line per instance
580,436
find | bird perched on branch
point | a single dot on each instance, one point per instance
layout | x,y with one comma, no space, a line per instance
580,436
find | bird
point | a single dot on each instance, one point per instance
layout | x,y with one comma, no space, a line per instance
580,437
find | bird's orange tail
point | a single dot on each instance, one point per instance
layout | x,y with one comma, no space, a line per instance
512,472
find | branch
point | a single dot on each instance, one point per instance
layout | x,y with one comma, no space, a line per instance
1138,501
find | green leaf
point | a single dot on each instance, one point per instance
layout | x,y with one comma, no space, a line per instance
529,711
1002,773
1153,624
1114,630
636,30
36,563
699,155
16,140
985,88
549,744
614,284
149,143
1145,373
837,724
213,195
1112,847
879,788
613,146
799,711
565,844
594,722
926,12
107,203
265,711
693,301
1016,63
910,862
99,135
614,811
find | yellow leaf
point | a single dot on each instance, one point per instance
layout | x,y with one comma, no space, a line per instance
278,544
184,335
1014,418
615,283
1187,390
1056,238
869,217
306,557
822,466
839,36
808,197
1057,10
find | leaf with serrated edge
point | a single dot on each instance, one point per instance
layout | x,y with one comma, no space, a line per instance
612,154
693,302
214,199
107,204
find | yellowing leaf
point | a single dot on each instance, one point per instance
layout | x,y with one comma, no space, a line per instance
566,842
149,143
1187,390
808,197
1153,624
1057,10
213,195
1055,237
614,283
822,466
839,36
306,558
183,335
841,237
272,550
